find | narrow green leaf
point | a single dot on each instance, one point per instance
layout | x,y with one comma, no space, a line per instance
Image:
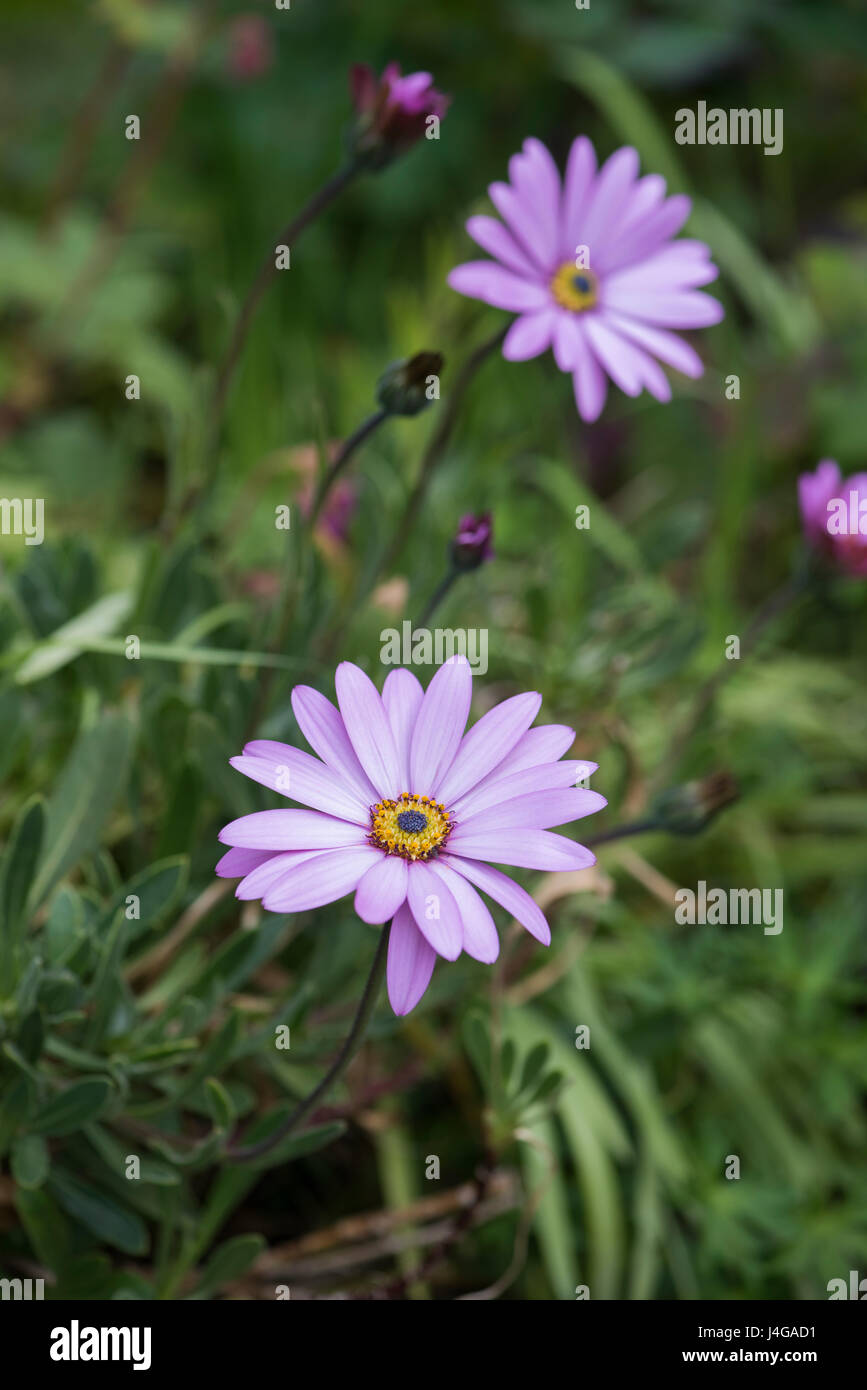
73,1108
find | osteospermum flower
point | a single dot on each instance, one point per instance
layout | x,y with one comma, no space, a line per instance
834,513
409,812
590,267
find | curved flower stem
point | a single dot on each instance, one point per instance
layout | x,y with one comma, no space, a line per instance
437,597
437,446
341,1062
266,273
620,832
347,449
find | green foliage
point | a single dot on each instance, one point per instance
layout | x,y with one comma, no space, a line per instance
140,1002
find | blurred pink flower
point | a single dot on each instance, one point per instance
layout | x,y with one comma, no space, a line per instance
590,267
834,513
393,110
250,48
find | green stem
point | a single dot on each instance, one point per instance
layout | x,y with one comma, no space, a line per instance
266,273
437,446
437,597
353,1041
347,449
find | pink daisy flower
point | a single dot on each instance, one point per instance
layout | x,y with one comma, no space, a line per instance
834,514
409,812
590,267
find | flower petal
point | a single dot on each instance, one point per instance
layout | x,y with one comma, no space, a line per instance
490,282
479,930
530,335
526,849
648,232
588,379
506,892
536,181
521,222
620,359
382,890
297,775
608,199
544,744
261,880
487,743
537,811
323,878
496,790
410,963
428,894
441,722
236,863
283,830
674,351
668,308
324,730
493,237
580,172
367,725
402,695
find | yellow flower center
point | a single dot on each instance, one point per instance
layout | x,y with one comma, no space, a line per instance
415,827
574,288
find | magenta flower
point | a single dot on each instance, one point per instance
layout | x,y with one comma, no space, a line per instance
592,271
834,513
473,542
393,111
409,813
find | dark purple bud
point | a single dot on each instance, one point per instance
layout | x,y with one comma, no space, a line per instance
472,546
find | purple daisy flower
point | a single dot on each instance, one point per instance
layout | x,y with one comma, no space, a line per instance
590,267
409,812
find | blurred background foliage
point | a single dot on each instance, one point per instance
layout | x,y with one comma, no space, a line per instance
154,1035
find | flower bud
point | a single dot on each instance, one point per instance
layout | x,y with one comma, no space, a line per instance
472,546
404,387
689,809
392,111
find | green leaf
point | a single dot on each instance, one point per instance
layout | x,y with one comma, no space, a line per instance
73,1108
70,640
89,783
228,1263
107,1219
46,1226
13,1108
299,1145
220,1106
157,888
30,1161
534,1065
19,866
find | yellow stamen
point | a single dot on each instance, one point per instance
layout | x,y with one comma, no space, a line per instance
574,288
425,827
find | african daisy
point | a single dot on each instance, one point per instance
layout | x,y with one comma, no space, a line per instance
409,812
592,271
